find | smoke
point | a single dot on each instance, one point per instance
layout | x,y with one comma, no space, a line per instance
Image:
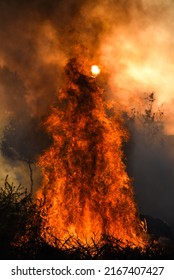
131,40
139,53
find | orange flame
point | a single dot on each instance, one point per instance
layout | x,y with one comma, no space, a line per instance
88,192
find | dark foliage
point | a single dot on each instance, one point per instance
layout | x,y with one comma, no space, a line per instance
21,221
147,123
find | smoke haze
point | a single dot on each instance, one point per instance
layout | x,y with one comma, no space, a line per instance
131,40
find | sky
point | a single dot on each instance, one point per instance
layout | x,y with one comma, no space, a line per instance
132,42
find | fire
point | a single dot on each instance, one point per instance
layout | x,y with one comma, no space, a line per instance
95,70
87,190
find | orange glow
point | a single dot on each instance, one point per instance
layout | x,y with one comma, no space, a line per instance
88,192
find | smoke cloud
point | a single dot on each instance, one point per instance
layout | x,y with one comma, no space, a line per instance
131,40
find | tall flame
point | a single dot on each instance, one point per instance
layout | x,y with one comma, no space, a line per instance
88,192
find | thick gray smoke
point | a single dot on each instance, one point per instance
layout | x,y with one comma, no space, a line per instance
131,40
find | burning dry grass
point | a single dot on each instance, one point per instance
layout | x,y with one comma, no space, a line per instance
21,235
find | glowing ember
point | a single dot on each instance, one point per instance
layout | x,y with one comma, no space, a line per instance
95,70
87,190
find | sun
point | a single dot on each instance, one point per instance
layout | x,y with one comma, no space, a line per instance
95,70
